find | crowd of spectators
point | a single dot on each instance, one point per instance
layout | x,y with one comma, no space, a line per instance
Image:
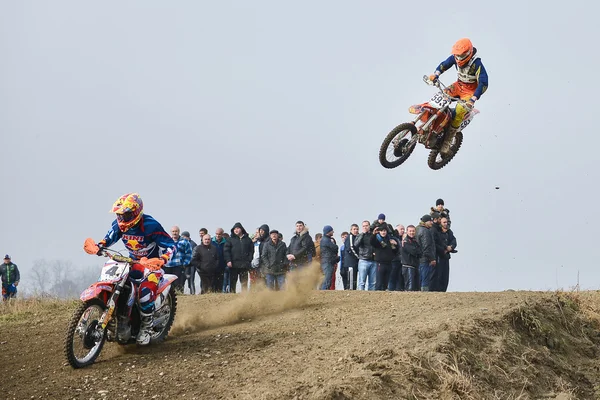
374,256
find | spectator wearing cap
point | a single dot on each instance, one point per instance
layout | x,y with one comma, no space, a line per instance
439,207
205,260
190,271
381,224
329,256
367,266
273,261
427,261
385,251
411,253
10,277
186,236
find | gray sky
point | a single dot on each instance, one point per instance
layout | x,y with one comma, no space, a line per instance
268,111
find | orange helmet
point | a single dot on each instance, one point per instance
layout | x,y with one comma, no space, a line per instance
129,209
462,51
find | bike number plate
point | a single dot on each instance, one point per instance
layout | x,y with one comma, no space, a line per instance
438,101
111,272
468,119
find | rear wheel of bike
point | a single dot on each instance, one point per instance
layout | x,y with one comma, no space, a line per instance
397,145
84,340
166,313
436,161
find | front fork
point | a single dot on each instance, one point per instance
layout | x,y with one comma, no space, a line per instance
398,139
112,304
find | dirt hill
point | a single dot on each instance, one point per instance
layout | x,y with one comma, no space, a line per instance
308,344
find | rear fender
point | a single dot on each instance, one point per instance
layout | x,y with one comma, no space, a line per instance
165,282
468,118
101,290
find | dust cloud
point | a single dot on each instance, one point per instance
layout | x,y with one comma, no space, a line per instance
261,301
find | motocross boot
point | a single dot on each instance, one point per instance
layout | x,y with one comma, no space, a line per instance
143,337
448,138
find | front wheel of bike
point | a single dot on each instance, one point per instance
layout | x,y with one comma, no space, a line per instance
84,339
398,145
437,161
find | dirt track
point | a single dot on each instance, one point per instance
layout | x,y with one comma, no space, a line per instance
307,344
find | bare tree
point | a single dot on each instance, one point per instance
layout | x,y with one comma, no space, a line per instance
40,277
60,278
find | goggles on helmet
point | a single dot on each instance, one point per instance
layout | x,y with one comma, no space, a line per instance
462,56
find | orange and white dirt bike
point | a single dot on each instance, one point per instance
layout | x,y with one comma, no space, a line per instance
109,311
435,116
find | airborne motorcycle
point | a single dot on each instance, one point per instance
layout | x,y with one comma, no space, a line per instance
435,116
109,312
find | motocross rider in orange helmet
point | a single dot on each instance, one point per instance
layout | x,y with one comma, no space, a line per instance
149,244
471,84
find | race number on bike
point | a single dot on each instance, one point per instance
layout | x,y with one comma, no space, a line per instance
438,101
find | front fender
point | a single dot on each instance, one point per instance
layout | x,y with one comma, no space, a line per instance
415,109
95,290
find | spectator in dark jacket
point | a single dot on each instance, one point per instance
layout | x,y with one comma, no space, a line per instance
396,280
442,268
367,266
238,252
440,247
219,285
350,263
440,208
329,256
301,248
341,264
273,261
381,224
205,259
410,253
10,277
428,259
385,251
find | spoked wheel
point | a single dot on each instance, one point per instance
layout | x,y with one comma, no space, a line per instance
437,161
84,339
163,318
398,145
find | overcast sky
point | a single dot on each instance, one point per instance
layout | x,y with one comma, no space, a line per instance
274,111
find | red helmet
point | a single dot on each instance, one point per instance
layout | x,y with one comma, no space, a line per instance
129,209
462,51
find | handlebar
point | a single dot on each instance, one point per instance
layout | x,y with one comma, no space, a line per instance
438,84
115,255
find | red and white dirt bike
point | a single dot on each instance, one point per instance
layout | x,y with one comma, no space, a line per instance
109,311
435,116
